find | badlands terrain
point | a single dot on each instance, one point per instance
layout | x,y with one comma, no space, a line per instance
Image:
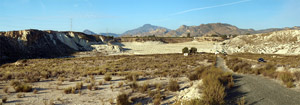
92,70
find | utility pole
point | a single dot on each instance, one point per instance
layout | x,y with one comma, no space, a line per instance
106,32
71,24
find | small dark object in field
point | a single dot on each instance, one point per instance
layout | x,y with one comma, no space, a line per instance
261,60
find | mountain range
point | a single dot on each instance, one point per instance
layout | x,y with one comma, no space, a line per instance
89,32
201,30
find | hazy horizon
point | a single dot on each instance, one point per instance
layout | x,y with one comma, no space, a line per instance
118,16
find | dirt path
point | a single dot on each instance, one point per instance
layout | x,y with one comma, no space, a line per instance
259,90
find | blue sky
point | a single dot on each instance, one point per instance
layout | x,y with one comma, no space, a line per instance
118,16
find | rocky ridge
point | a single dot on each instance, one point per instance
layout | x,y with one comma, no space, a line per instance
45,44
279,42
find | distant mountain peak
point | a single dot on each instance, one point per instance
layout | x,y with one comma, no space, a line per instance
89,32
147,25
146,29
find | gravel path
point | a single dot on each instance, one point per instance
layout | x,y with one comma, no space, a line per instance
259,90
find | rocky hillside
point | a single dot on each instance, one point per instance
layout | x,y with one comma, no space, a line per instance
279,42
39,44
147,30
209,29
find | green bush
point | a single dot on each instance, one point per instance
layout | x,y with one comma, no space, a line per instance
185,50
193,50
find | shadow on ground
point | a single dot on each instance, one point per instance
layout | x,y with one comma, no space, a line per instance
233,94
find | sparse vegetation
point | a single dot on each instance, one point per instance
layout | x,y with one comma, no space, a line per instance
157,99
122,99
107,77
287,79
22,87
173,85
4,99
5,90
35,91
241,101
297,75
20,95
68,90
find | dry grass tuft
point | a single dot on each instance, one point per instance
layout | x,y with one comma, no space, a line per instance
20,95
122,99
68,90
173,85
287,79
107,77
4,99
5,89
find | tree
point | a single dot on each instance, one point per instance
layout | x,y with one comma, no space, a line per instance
193,50
185,50
188,35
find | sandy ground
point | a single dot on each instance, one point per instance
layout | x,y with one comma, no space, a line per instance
106,94
163,48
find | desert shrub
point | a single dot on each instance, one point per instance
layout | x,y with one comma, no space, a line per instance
35,91
5,89
100,82
213,90
4,99
132,77
158,86
23,88
290,84
107,77
157,99
173,85
122,99
197,73
297,75
120,84
143,88
68,90
31,79
151,93
193,50
72,79
15,83
19,95
139,103
134,85
193,76
189,102
287,79
241,101
90,86
79,86
73,91
185,50
51,102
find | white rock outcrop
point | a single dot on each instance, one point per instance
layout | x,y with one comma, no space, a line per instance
280,42
192,92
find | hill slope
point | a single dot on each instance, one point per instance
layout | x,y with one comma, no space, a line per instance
40,44
146,30
279,42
